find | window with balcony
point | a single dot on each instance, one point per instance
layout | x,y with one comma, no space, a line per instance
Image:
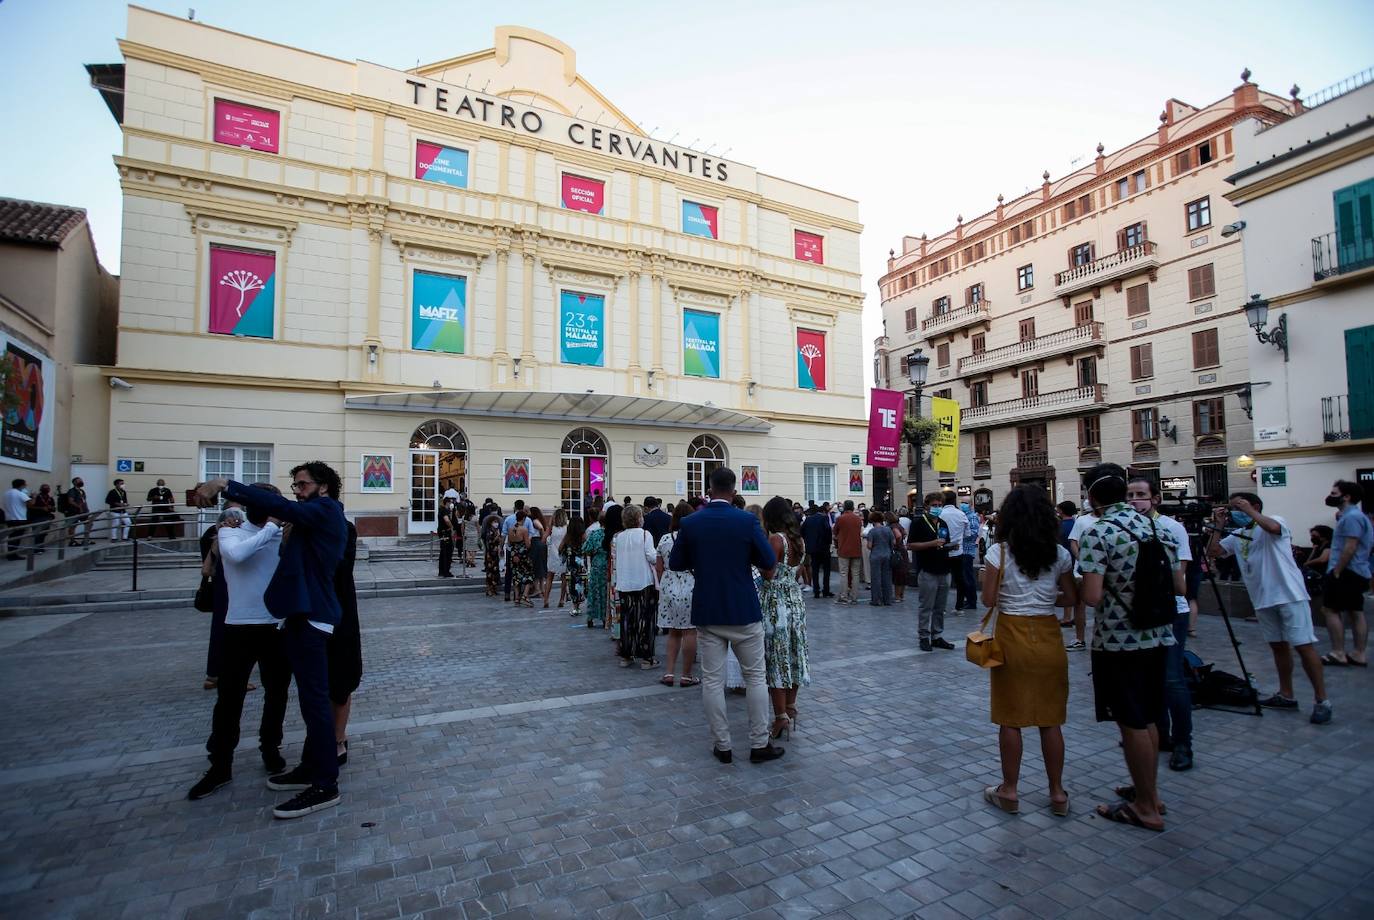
1030,438
1087,372
1083,313
1351,246
1027,329
1081,254
982,445
1142,361
980,343
942,355
978,394
1143,426
1199,213
1090,431
1130,236
1202,282
1138,300
973,294
1209,416
1025,277
1206,349
1030,384
940,306
912,319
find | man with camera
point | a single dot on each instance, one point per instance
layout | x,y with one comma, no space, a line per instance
1263,547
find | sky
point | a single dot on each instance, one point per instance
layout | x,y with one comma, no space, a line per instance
919,110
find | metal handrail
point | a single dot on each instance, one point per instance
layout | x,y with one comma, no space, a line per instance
31,538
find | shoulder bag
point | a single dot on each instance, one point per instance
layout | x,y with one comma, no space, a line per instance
982,647
205,595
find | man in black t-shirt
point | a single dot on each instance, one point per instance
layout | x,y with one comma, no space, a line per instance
929,543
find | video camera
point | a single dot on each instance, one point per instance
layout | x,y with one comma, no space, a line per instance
1192,511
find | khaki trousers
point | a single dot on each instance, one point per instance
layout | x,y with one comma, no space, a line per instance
747,643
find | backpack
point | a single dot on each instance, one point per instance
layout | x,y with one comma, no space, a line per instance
1153,585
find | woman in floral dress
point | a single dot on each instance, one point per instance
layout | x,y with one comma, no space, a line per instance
574,567
521,566
491,556
675,606
596,548
784,615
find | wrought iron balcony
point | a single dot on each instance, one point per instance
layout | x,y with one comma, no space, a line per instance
1042,346
1129,261
1032,460
958,318
880,343
1045,405
1335,418
1334,255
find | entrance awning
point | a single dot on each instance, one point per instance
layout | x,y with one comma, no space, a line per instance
642,411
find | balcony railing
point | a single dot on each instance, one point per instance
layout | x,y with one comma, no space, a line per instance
1051,343
1335,418
958,318
1045,405
1332,255
1123,262
880,343
1032,459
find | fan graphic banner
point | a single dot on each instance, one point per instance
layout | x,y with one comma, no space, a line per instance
700,343
808,247
885,427
582,319
436,163
438,312
26,426
810,359
583,194
243,294
247,126
945,448
700,220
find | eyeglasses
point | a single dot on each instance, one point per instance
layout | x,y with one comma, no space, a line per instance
297,486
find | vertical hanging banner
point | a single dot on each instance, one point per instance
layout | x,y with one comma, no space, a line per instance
808,247
583,194
700,220
945,447
243,297
885,427
248,126
26,428
597,484
810,359
438,312
436,163
700,343
582,319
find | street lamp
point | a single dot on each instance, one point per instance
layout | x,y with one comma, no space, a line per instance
1257,315
917,367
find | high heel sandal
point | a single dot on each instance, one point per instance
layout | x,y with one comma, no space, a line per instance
792,716
782,727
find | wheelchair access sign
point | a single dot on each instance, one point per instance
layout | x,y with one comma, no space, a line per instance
127,465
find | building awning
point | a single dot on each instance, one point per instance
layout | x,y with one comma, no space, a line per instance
578,408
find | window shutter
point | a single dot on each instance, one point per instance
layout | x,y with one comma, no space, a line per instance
1144,231
1208,284
1120,240
1194,277
1135,362
1137,300
1197,349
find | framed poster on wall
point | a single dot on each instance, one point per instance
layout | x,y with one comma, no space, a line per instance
856,481
249,126
582,194
581,339
438,312
26,427
515,475
700,220
243,291
808,247
378,471
437,163
749,483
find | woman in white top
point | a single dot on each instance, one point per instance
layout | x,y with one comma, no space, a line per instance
631,572
556,564
1029,576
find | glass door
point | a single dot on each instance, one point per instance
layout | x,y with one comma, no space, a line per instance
573,485
424,491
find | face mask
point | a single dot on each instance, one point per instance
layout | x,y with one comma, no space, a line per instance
1142,505
1241,519
1335,501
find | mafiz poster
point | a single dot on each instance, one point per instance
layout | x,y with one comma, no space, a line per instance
26,436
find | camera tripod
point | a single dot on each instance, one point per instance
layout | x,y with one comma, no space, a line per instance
1199,552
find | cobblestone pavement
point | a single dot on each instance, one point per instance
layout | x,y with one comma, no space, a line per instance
501,765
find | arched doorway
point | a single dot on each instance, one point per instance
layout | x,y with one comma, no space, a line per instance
586,469
438,462
704,455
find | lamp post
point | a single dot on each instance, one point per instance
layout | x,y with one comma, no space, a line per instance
1257,315
917,367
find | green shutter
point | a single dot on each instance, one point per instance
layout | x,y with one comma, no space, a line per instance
1354,206
1359,375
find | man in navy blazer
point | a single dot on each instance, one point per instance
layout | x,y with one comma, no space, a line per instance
719,543
302,595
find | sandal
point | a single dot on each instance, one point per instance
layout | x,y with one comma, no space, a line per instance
1330,659
994,798
1356,663
667,680
1124,813
1127,794
624,663
689,682
1059,809
650,664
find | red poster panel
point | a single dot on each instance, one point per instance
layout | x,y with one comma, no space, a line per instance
810,359
808,247
583,194
248,126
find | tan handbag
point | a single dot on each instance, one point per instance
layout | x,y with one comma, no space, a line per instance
982,648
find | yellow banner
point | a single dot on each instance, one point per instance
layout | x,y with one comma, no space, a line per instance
945,450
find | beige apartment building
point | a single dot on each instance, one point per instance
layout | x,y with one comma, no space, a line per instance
479,273
1096,318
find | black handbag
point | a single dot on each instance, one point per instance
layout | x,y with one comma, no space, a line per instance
205,595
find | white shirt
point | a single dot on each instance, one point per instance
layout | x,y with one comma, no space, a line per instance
957,523
250,555
634,559
1185,551
1266,564
16,505
1080,527
1022,596
905,523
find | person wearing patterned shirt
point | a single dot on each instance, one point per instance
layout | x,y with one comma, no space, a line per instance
1128,664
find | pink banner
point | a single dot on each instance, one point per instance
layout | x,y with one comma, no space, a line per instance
583,194
885,427
808,247
247,126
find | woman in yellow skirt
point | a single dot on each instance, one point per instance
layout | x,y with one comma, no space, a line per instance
1031,688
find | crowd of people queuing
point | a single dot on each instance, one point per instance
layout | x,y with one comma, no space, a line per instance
26,512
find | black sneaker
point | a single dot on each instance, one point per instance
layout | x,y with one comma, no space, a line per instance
925,645
314,799
723,756
1182,758
765,754
212,780
298,778
1279,702
273,761
941,643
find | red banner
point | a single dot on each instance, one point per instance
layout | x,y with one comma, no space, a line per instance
810,359
885,427
583,194
808,247
248,126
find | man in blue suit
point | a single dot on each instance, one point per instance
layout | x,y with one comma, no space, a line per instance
719,543
817,534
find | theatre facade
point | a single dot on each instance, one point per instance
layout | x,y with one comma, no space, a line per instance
477,273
